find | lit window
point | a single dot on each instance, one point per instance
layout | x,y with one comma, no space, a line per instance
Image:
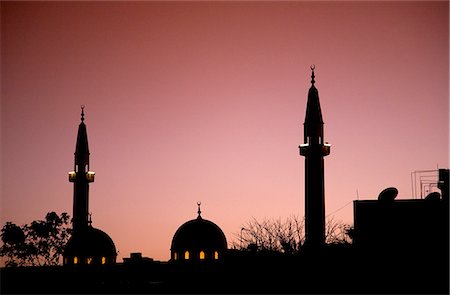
75,260
216,255
89,260
175,255
186,255
103,260
202,255
66,260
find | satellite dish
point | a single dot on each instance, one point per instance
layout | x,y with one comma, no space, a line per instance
433,197
388,194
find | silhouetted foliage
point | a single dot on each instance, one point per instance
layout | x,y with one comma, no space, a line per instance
40,243
286,236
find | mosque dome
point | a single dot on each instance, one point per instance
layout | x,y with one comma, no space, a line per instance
90,246
198,240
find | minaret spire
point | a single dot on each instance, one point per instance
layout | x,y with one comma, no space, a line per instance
314,149
81,177
82,146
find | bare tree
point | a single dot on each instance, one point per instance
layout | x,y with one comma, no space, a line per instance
337,232
285,236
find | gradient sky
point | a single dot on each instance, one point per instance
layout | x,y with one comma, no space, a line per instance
205,101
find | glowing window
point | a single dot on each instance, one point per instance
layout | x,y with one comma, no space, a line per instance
186,255
66,260
103,260
75,260
89,260
202,255
216,255
175,255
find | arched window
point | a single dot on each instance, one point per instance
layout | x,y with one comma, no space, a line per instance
216,255
75,260
186,255
202,255
103,260
175,256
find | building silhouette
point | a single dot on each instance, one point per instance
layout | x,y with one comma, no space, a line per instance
314,149
87,245
408,224
406,239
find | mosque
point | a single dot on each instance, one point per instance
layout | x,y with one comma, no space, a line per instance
380,226
198,240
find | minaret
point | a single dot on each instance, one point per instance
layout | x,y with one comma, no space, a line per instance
314,149
87,245
81,177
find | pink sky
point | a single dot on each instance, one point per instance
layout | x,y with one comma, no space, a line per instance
205,101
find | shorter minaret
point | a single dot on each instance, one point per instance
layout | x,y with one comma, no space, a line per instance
314,149
81,177
87,245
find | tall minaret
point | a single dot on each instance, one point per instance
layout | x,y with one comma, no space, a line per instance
314,149
81,177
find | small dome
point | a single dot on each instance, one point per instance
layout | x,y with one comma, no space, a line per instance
199,233
198,239
91,243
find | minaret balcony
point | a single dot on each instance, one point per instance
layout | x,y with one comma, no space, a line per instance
90,176
326,149
306,149
72,176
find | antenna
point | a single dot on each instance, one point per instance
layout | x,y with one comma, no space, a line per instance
425,179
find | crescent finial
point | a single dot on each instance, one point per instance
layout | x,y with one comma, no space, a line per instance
82,112
199,211
313,66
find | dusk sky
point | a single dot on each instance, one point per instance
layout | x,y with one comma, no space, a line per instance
205,101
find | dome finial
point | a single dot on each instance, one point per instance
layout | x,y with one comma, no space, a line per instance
313,66
82,112
199,211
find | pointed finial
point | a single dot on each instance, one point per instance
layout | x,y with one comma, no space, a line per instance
82,112
199,211
312,74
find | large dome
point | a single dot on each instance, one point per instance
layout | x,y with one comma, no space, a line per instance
198,239
90,245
